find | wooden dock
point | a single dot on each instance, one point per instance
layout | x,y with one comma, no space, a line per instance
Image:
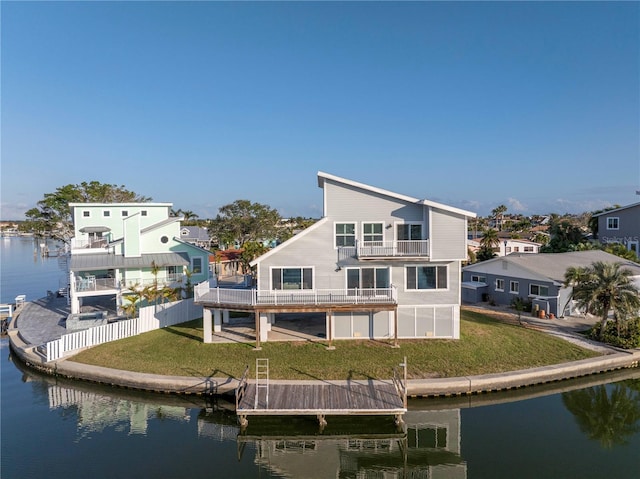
320,399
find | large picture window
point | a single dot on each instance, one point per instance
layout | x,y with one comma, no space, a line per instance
426,277
367,278
292,278
345,234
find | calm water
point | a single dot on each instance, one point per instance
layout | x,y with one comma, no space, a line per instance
63,429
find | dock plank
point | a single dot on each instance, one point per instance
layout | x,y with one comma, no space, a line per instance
327,398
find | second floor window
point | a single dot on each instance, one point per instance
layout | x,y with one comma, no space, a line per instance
372,232
292,278
345,234
409,232
613,223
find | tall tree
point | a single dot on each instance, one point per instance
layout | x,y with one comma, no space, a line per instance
52,216
488,243
565,236
243,221
602,288
498,215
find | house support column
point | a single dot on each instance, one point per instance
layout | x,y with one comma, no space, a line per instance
217,321
206,326
264,327
225,316
456,321
271,319
395,328
257,315
331,347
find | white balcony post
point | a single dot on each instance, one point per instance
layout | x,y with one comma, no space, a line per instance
225,316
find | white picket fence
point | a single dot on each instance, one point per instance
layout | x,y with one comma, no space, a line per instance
150,318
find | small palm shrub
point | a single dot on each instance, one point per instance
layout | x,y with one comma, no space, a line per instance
628,338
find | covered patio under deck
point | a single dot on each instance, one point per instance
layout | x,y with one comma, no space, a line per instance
302,315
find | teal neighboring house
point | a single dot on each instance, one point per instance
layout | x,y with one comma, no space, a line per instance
121,247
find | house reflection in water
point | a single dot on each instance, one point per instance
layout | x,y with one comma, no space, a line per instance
96,411
429,448
349,447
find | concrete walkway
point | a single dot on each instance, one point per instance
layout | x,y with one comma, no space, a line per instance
43,320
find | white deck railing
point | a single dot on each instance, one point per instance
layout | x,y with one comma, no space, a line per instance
149,319
253,297
411,248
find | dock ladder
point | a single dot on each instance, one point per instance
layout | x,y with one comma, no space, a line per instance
262,381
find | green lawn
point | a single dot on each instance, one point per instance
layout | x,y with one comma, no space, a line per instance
486,346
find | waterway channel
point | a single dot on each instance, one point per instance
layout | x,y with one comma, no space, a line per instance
586,428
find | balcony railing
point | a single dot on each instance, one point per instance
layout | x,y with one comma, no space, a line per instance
253,297
91,283
164,280
392,249
88,244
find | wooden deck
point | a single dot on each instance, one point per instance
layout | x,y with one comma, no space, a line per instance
321,399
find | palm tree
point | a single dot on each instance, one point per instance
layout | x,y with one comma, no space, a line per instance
498,215
131,308
488,243
604,287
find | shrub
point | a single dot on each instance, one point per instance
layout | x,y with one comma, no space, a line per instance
629,337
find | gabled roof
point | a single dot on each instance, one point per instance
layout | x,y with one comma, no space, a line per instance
150,228
191,245
617,209
555,265
195,232
322,177
289,241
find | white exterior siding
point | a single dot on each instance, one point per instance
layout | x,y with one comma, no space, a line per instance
315,249
344,202
422,313
448,236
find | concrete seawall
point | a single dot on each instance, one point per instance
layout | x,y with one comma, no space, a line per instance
434,387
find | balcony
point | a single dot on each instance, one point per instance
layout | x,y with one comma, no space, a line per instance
392,249
322,297
90,283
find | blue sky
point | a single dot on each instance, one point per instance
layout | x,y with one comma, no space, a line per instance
473,104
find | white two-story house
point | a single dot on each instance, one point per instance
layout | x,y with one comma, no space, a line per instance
378,264
121,247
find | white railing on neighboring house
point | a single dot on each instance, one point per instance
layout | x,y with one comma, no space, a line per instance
163,280
149,319
252,297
